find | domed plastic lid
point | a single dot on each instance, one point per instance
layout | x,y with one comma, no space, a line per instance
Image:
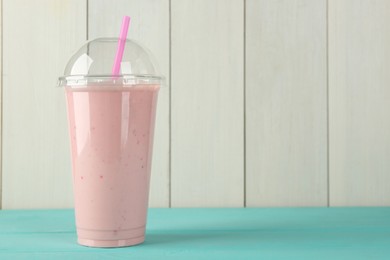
93,63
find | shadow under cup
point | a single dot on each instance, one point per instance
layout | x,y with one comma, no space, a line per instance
111,131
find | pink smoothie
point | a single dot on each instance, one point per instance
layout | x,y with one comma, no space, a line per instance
111,131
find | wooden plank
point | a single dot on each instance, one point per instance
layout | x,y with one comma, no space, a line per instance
359,61
207,103
149,26
39,37
286,117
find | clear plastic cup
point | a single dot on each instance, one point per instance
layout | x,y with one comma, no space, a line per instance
111,125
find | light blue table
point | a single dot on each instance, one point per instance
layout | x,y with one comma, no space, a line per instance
279,233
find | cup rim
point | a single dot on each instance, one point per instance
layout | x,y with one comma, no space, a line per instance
125,80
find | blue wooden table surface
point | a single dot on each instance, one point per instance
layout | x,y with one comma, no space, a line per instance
251,233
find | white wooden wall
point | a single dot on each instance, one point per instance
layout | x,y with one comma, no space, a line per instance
270,103
359,102
286,125
207,145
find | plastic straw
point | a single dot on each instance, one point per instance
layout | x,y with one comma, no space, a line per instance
121,45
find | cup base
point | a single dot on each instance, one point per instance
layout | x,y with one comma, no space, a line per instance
111,238
111,243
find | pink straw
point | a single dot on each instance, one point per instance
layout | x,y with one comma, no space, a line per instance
121,45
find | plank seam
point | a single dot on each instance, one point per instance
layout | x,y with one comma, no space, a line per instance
170,110
1,123
327,105
244,97
87,20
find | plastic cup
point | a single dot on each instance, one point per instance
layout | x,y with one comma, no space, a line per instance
111,128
